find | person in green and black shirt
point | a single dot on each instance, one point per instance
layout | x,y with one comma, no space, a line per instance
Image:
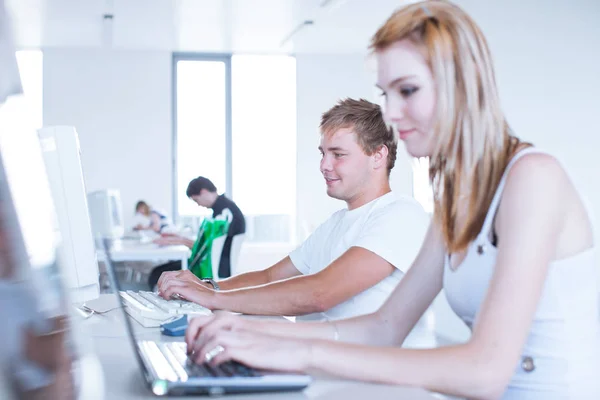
202,191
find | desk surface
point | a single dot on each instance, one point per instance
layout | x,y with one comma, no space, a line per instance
123,379
132,250
124,248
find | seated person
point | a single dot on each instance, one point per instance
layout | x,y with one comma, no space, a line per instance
511,243
354,260
204,193
148,218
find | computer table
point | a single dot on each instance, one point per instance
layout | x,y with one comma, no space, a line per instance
123,379
134,250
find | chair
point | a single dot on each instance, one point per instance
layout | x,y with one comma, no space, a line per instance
215,254
236,248
217,250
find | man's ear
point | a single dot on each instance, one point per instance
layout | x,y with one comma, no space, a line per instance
380,156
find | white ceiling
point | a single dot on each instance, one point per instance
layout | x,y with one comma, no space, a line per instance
252,26
242,26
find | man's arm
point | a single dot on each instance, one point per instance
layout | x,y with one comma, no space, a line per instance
341,280
284,269
154,222
171,240
338,282
185,282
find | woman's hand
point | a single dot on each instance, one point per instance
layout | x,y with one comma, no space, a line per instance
225,337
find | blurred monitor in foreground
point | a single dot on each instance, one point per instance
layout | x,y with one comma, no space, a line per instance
40,355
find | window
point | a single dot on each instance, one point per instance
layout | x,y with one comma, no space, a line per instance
422,190
264,144
201,127
254,161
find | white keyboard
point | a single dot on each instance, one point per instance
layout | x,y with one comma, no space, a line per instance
150,310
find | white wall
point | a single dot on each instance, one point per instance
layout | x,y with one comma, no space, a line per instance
547,59
321,81
120,103
548,70
547,65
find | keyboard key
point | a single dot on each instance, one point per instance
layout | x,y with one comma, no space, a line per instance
198,370
140,299
228,369
243,370
150,310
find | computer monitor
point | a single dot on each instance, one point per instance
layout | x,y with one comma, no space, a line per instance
60,148
106,213
40,353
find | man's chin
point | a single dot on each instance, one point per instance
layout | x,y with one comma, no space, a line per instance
334,194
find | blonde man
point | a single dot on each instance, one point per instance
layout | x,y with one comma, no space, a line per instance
353,261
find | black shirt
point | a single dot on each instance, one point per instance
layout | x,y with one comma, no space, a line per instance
236,227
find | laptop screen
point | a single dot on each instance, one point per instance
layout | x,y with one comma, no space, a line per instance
116,288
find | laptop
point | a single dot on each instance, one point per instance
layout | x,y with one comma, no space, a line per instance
167,370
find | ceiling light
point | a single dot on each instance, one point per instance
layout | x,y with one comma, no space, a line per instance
295,31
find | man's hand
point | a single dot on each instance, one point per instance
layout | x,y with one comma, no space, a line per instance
224,331
168,240
188,286
168,234
184,275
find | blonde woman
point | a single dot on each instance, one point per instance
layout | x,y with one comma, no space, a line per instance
510,242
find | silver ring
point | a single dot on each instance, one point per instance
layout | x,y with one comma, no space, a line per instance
213,353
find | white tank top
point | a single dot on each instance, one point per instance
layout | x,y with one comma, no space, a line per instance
561,357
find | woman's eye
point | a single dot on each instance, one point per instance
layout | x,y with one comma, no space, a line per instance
406,92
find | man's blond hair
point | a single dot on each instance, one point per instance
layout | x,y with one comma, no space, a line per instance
366,120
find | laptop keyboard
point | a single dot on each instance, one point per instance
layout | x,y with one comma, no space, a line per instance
175,354
226,369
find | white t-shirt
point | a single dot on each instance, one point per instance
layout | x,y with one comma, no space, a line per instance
393,227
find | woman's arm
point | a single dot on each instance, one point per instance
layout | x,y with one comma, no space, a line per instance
528,223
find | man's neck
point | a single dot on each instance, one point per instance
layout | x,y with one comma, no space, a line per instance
214,199
368,196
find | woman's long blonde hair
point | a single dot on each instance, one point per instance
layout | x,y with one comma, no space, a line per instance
473,140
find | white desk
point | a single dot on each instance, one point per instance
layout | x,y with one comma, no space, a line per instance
133,250
123,379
